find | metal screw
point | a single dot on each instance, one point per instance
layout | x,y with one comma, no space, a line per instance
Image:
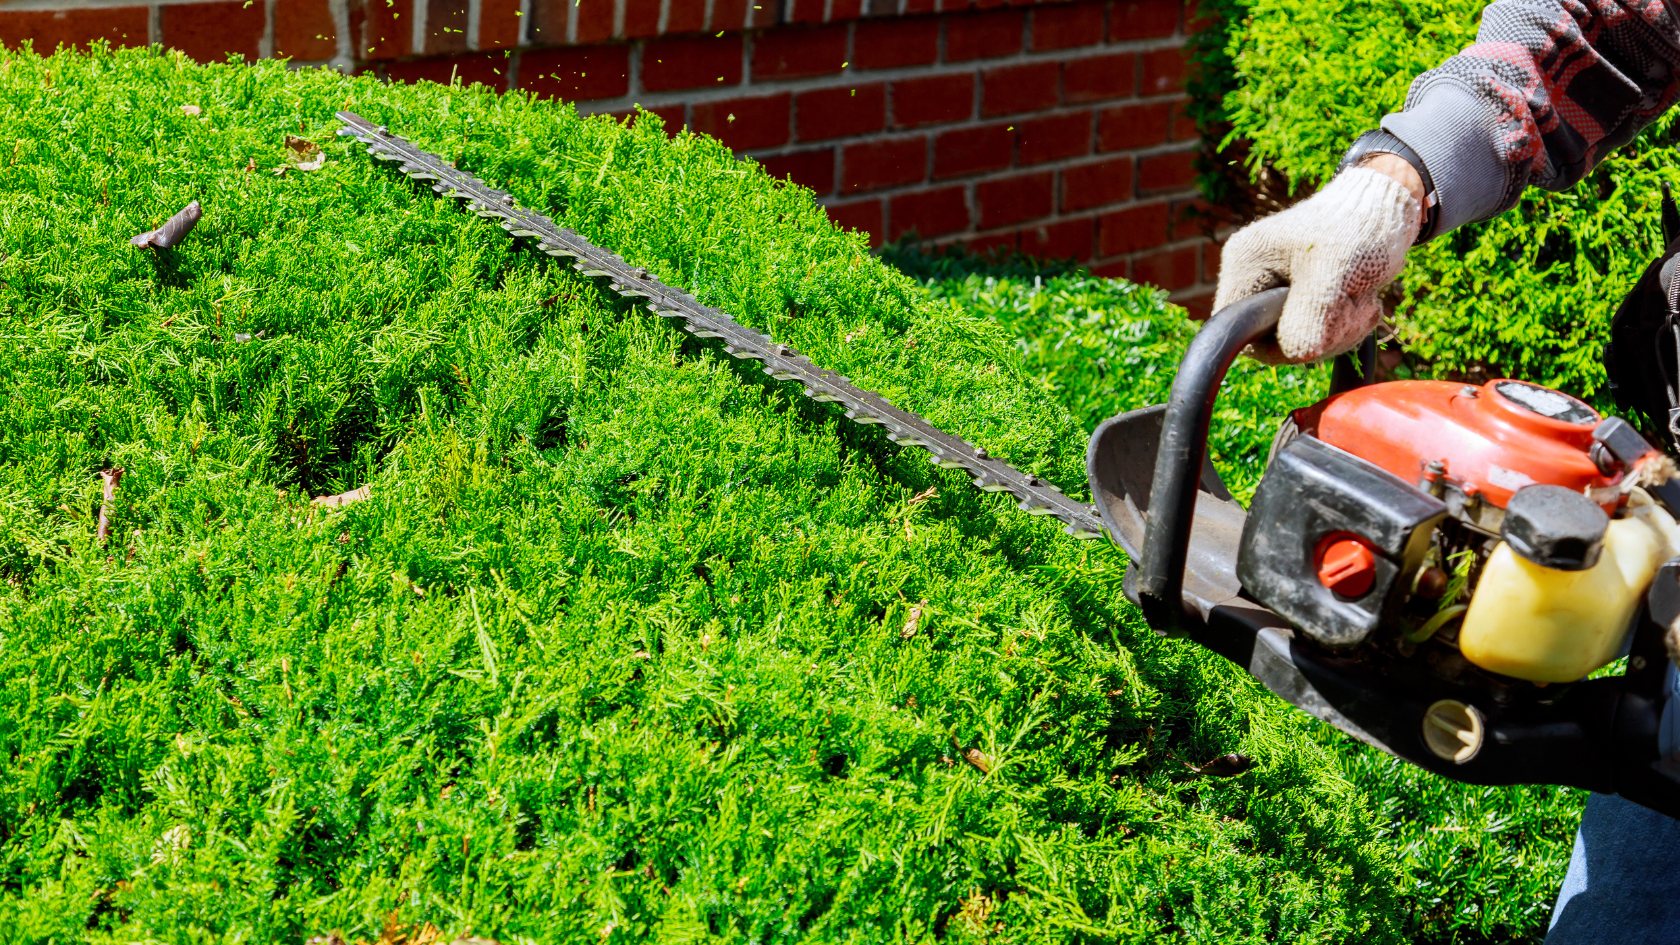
639,272
383,130
1636,663
980,453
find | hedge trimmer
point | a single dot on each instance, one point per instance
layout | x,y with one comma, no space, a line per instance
1430,567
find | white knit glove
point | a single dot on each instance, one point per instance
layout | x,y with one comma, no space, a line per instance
1335,250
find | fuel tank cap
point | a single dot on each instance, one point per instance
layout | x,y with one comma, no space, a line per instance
1555,527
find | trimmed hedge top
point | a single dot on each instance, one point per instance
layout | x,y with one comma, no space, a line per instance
626,641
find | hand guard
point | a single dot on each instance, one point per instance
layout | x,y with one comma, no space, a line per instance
1335,250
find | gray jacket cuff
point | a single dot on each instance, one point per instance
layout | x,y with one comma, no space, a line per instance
1452,130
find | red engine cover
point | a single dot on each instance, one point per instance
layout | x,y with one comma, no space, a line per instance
1492,440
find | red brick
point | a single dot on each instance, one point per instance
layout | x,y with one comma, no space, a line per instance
49,29
670,117
1115,269
745,124
687,16
842,10
863,215
798,53
485,68
730,14
1183,125
1211,253
1142,19
1198,307
1099,78
548,21
929,213
304,29
1012,89
1133,126
1066,27
577,74
1132,228
984,35
1190,218
593,20
1163,72
993,243
208,32
1171,269
1194,19
894,43
840,112
446,27
972,150
1055,138
1064,239
804,11
382,30
932,100
641,19
975,4
1015,199
691,63
1159,172
872,165
912,7
813,169
1095,185
498,23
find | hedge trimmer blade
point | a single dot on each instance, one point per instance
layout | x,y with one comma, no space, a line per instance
1036,496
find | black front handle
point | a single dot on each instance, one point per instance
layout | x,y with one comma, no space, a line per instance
1183,450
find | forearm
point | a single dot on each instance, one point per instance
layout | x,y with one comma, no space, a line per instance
1549,88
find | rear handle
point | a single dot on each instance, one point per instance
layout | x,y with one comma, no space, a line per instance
1183,450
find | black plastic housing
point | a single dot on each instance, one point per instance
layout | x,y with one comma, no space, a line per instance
1313,492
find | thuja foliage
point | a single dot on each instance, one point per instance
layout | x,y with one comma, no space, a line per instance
627,642
1529,293
1480,864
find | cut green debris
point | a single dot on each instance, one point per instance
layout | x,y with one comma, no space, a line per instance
619,641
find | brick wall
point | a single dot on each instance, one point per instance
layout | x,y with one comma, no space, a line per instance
1055,127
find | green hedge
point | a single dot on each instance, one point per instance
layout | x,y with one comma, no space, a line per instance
1529,293
628,643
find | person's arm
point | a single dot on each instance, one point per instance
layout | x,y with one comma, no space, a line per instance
1548,88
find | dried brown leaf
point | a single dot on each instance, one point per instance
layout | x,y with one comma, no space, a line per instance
305,155
979,759
173,230
913,621
190,110
342,499
1226,766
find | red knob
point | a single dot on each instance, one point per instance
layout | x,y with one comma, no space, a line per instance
1347,567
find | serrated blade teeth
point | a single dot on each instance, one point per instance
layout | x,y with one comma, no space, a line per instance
1034,496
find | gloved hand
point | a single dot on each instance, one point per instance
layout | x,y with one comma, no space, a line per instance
1335,250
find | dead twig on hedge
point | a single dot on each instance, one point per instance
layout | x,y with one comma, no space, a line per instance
111,476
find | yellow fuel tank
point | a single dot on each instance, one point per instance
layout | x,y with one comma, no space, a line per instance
1547,625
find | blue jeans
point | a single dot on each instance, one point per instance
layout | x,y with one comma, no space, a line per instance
1623,886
